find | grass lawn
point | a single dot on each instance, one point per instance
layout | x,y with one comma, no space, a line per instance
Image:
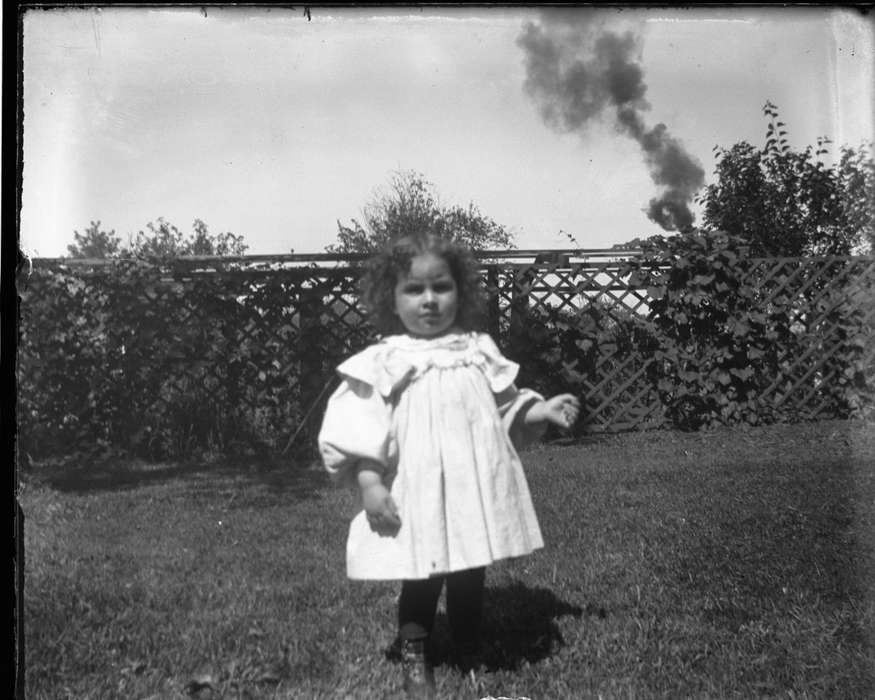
727,564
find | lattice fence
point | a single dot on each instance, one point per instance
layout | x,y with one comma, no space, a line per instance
528,302
244,348
829,304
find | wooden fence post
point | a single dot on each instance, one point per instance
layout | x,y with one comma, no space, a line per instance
312,376
493,310
519,304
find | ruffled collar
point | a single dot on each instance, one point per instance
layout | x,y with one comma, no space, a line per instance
451,340
396,360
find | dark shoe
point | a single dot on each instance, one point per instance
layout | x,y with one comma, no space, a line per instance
393,651
469,662
418,674
467,658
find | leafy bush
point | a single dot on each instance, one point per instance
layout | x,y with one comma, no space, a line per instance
730,335
164,359
787,202
140,356
579,348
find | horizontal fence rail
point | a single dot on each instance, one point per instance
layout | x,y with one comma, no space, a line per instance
169,354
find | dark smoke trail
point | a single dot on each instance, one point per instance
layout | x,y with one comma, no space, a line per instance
575,72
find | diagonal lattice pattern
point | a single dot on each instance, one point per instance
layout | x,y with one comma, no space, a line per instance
245,350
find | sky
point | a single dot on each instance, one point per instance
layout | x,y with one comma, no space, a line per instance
586,128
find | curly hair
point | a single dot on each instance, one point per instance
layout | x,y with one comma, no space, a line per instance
383,271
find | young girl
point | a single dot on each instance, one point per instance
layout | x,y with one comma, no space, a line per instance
425,422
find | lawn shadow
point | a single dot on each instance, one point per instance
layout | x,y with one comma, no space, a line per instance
298,476
519,624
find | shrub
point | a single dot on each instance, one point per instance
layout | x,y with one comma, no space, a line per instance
731,333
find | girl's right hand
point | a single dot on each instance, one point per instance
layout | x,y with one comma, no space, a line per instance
380,510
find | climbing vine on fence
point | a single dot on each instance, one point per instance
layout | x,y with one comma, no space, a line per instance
737,336
167,357
162,360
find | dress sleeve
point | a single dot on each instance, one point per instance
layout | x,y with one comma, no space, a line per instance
356,425
512,402
512,406
500,372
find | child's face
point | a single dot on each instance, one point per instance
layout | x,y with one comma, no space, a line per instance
426,298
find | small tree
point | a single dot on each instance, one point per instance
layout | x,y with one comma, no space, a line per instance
95,243
410,204
160,240
164,240
786,202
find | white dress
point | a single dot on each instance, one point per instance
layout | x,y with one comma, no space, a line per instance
439,415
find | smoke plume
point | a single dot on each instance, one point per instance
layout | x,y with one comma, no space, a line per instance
577,72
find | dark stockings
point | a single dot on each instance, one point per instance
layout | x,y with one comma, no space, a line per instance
419,599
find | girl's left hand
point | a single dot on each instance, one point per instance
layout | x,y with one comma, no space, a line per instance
562,410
